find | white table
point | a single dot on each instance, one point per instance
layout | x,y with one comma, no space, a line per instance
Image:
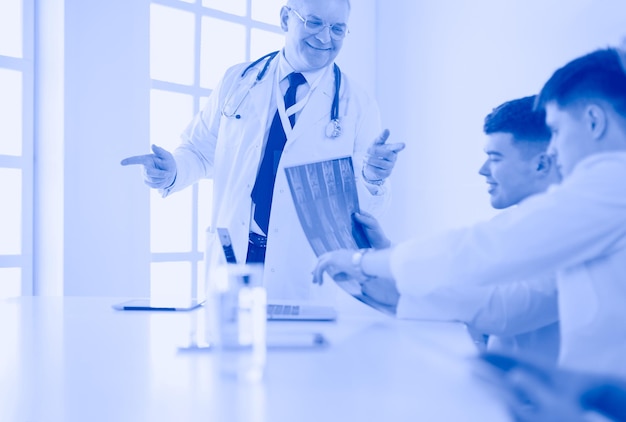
77,359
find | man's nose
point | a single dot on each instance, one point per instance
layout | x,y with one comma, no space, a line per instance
324,35
484,169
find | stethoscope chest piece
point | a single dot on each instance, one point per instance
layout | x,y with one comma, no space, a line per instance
333,129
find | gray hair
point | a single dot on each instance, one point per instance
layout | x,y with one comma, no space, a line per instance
295,4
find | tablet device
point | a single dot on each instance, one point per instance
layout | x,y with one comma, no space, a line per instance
157,305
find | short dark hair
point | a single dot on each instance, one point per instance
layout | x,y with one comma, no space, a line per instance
519,118
597,75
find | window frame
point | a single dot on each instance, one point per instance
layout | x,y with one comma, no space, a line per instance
195,255
25,161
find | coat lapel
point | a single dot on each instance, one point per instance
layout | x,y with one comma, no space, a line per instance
261,95
317,109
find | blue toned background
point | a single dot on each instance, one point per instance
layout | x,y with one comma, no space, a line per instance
107,79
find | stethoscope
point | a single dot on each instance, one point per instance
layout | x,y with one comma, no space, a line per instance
333,129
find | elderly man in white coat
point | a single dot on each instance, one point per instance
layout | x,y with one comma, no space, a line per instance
577,229
290,107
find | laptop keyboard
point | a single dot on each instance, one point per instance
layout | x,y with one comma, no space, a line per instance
283,310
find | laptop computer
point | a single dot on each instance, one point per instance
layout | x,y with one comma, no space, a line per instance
283,310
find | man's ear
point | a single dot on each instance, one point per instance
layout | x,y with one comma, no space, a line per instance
547,168
595,118
544,162
284,18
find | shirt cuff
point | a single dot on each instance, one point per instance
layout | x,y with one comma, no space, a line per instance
375,190
166,191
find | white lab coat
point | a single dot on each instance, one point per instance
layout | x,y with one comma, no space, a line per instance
576,230
519,317
228,150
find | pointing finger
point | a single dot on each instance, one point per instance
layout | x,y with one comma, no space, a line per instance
386,151
145,160
382,138
397,147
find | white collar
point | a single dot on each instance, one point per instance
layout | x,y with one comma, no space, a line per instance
284,69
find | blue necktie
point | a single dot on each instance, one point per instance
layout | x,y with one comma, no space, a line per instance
264,185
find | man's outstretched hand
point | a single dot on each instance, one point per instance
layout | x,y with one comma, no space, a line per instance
159,168
381,158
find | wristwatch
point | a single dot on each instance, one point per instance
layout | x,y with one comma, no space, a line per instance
357,259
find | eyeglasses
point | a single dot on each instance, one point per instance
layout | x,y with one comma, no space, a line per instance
338,31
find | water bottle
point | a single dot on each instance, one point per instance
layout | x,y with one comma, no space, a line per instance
235,314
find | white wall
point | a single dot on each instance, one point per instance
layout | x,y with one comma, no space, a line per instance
48,213
443,65
358,54
92,230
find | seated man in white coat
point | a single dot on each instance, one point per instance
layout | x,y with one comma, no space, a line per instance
577,229
518,317
287,108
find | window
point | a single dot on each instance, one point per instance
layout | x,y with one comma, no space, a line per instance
192,43
16,147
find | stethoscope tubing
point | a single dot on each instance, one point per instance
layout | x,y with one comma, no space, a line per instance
334,110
